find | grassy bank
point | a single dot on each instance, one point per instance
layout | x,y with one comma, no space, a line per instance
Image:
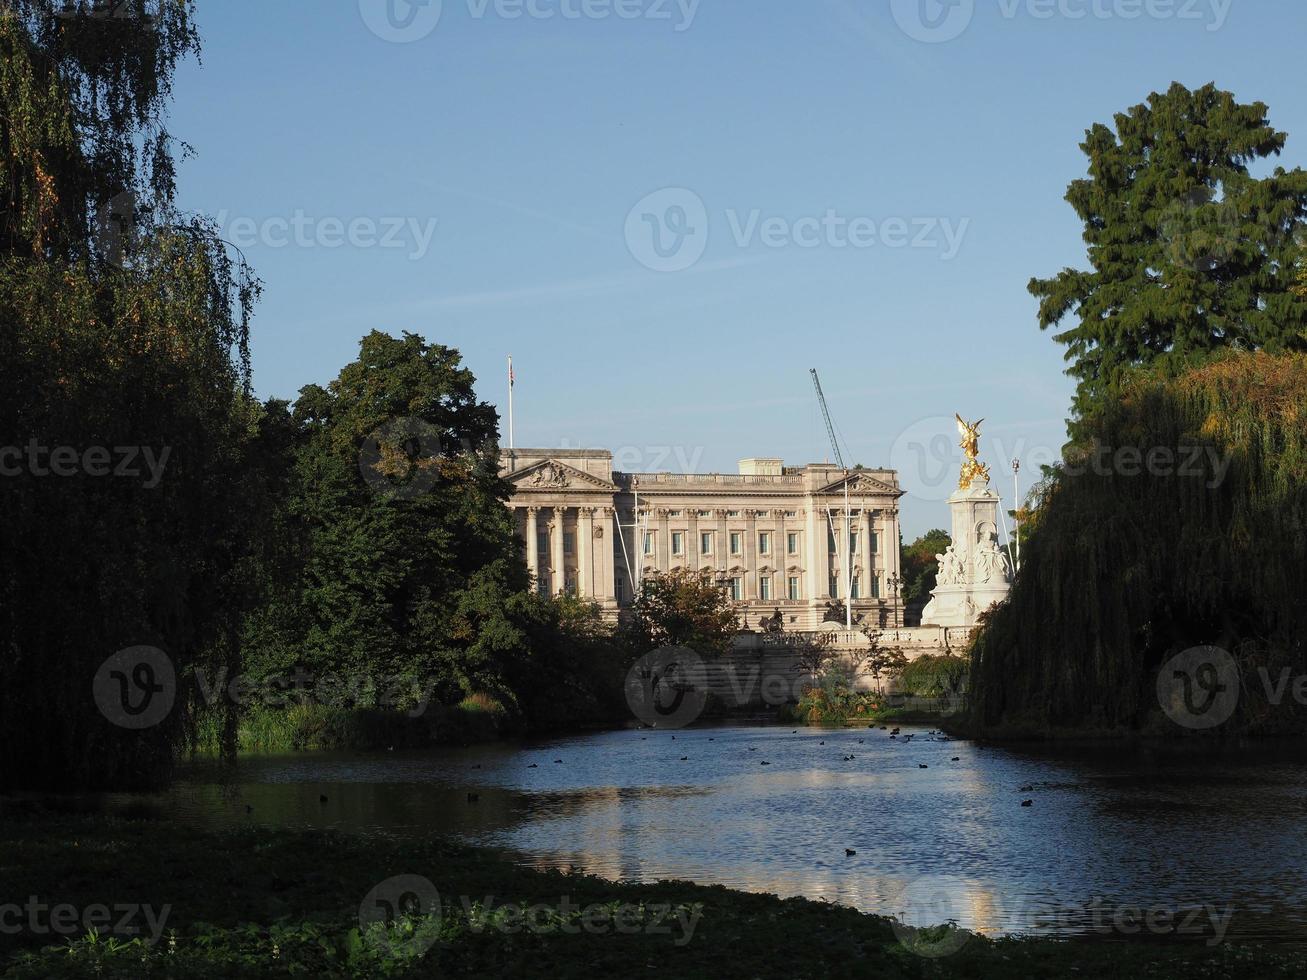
315,727
267,903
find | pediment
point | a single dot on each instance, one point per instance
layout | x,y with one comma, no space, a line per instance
551,474
862,483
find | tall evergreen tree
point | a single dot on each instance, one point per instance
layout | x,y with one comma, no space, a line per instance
1189,252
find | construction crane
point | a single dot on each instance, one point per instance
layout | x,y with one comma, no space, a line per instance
830,426
845,547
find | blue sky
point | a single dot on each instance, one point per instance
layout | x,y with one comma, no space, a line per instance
860,186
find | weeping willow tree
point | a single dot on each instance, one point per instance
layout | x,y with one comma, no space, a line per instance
1138,557
124,339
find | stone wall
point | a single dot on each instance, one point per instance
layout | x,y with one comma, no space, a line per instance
763,670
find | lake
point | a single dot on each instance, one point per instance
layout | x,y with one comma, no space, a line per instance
938,826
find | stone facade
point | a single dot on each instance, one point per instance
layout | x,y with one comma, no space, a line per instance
765,532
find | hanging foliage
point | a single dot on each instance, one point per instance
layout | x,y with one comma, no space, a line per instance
127,424
1138,557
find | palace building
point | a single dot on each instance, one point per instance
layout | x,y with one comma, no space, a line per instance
774,534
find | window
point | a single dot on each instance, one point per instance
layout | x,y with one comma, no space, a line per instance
736,541
853,542
855,590
875,586
542,544
791,513
675,513
830,541
875,542
764,588
678,542
834,587
792,543
619,587
794,588
764,543
569,542
737,589
705,543
542,585
648,542
570,586
732,513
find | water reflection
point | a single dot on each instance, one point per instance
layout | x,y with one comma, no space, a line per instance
937,824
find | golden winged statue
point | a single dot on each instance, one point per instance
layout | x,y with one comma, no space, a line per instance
973,470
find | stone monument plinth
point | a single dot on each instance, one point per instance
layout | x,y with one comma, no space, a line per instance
974,571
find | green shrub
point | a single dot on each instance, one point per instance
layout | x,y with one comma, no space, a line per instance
934,676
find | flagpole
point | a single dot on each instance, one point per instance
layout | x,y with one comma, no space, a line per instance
511,443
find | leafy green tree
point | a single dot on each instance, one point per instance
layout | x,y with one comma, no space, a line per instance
919,568
410,564
1189,253
880,659
122,324
683,608
1125,572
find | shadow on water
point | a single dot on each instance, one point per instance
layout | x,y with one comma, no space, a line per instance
1213,838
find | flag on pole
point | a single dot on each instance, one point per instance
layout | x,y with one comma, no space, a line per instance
512,380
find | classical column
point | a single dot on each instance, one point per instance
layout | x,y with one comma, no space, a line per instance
816,549
606,541
751,562
585,551
533,542
867,527
692,548
558,577
663,541
776,559
721,543
893,556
